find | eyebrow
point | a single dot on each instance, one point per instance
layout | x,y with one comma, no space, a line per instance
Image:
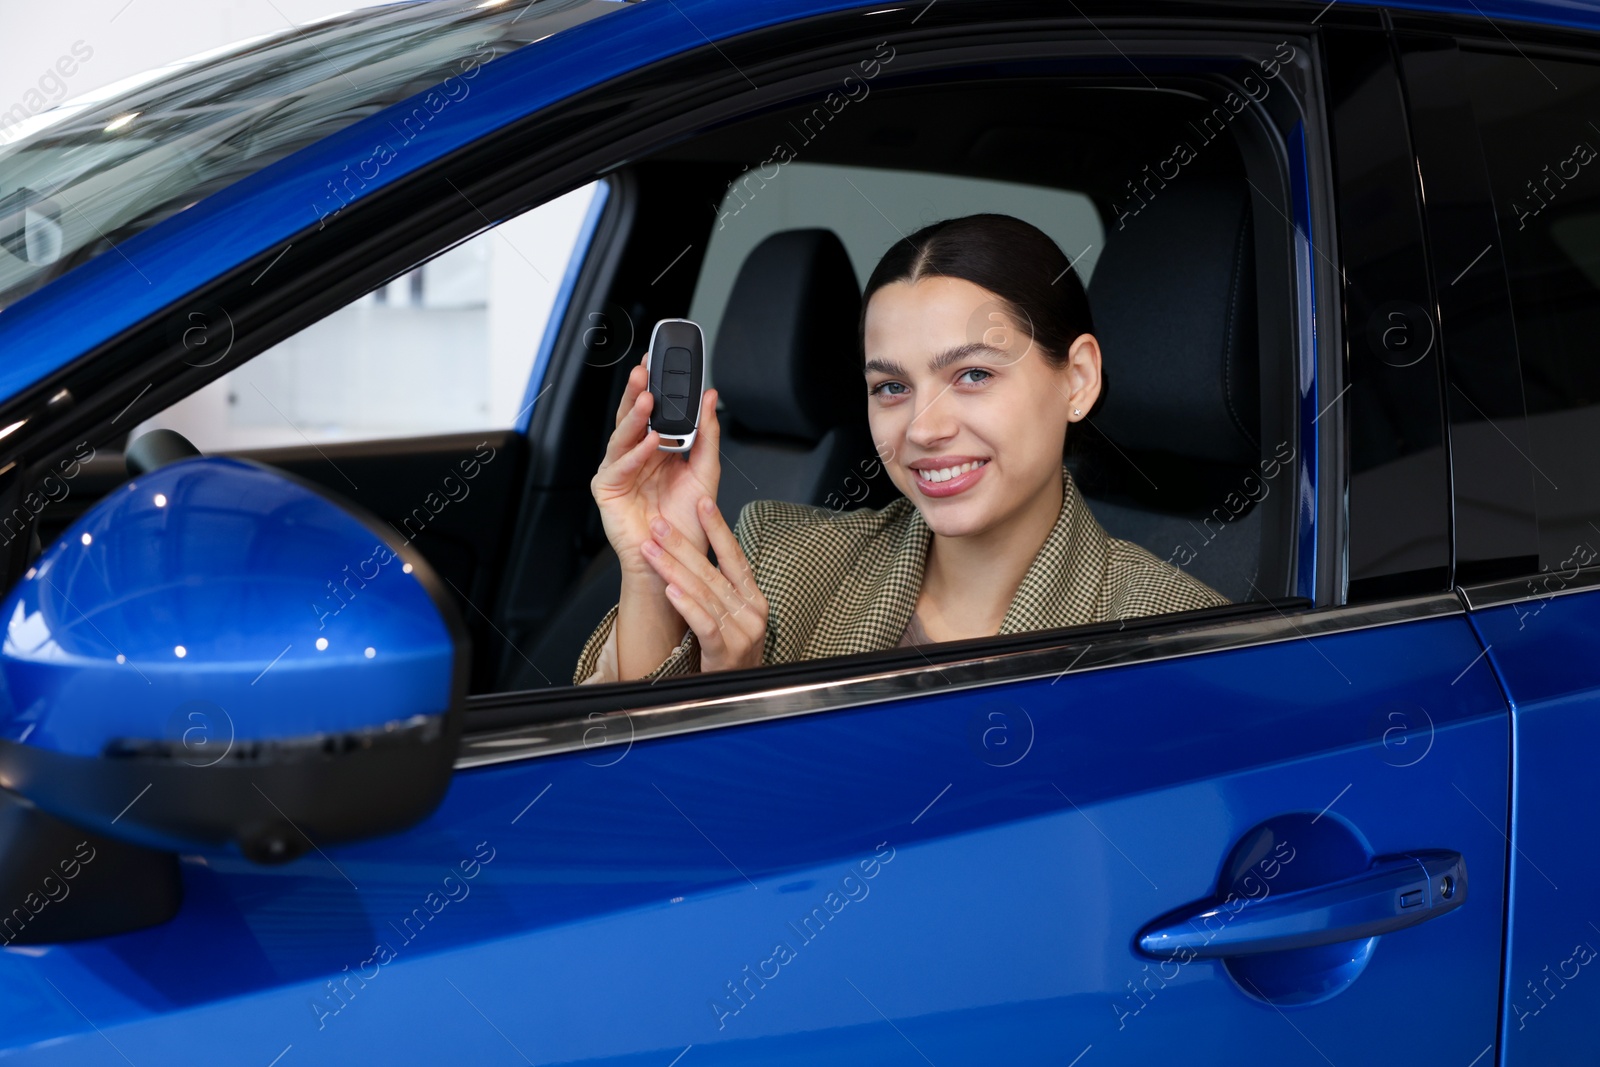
960,352
937,363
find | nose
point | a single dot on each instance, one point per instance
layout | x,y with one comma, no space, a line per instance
933,422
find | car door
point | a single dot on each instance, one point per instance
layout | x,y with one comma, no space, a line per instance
1503,133
1104,845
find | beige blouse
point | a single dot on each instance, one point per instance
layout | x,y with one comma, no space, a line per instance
843,583
606,666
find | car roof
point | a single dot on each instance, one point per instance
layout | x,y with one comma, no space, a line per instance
262,212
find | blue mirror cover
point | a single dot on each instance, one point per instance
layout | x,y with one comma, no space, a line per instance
216,615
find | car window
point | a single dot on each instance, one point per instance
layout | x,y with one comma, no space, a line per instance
1542,149
444,348
1190,461
79,178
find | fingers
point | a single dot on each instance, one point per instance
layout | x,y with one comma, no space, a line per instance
631,425
630,447
702,586
705,623
627,466
705,455
724,642
696,604
633,414
685,563
731,560
638,382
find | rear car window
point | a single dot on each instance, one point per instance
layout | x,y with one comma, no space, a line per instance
1542,147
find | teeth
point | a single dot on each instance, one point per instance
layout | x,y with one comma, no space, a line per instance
944,474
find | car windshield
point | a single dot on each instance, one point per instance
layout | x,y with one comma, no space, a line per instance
82,177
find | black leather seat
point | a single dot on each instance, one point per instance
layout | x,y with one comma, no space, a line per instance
793,413
788,369
1176,466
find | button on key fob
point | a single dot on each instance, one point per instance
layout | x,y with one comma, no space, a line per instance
676,368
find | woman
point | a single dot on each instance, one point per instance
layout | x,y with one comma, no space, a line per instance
979,355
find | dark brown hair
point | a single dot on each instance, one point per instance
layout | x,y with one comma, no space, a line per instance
1013,259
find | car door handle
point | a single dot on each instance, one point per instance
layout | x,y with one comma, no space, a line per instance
1395,892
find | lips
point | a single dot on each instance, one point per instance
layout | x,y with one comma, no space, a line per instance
944,474
949,479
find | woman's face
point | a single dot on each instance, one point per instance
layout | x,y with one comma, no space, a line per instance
968,416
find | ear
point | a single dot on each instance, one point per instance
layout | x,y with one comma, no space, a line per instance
1082,371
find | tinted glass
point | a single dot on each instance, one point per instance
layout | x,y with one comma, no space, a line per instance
78,179
1542,146
1399,481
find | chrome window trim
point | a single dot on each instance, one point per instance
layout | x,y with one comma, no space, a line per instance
691,716
1516,590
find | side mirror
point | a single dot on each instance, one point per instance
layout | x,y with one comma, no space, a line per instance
220,654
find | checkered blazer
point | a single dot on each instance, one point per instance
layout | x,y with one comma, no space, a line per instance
840,583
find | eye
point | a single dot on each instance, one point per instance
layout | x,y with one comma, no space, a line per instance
889,388
983,375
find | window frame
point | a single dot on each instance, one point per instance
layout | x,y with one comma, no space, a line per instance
510,726
507,727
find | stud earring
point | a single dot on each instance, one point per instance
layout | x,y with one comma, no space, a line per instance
1075,411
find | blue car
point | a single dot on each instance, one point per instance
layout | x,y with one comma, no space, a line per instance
312,346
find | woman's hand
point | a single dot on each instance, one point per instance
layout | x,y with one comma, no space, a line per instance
637,482
722,605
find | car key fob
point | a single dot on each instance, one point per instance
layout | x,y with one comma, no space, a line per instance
675,365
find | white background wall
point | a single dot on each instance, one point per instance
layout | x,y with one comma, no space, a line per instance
458,359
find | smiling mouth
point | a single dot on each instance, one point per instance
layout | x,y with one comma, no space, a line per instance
944,474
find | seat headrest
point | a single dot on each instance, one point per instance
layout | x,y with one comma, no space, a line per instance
785,360
1174,307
